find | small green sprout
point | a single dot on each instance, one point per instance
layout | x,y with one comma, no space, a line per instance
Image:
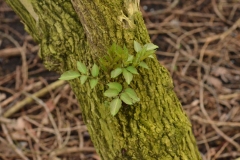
117,61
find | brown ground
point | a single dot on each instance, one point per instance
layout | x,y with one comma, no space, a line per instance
199,43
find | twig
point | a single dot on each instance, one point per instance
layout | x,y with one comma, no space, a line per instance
215,8
224,34
72,150
161,11
229,124
16,95
57,133
27,100
235,144
224,146
23,55
10,52
9,139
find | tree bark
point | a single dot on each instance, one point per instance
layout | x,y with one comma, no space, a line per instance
83,30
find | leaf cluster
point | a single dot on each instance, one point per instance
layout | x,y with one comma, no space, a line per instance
118,57
83,73
119,95
117,61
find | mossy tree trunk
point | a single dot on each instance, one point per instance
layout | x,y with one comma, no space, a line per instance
83,30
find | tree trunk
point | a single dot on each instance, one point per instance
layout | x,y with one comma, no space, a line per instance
83,30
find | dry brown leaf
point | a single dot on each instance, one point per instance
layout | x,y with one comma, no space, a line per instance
45,120
19,135
214,82
20,124
2,96
50,105
222,72
195,102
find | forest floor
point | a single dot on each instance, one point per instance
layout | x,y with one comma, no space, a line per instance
199,43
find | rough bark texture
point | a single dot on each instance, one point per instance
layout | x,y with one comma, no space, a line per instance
82,30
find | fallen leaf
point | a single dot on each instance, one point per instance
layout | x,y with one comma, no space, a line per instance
50,105
2,96
222,72
214,82
195,102
19,135
20,124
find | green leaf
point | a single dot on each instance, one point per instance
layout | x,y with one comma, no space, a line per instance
132,94
93,83
115,105
125,52
103,63
83,78
143,65
81,67
130,58
69,75
137,46
118,49
111,93
138,56
132,69
147,54
95,70
126,98
151,56
106,103
115,85
127,75
150,46
112,49
117,59
116,72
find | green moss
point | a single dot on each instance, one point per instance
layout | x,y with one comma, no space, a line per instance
154,128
